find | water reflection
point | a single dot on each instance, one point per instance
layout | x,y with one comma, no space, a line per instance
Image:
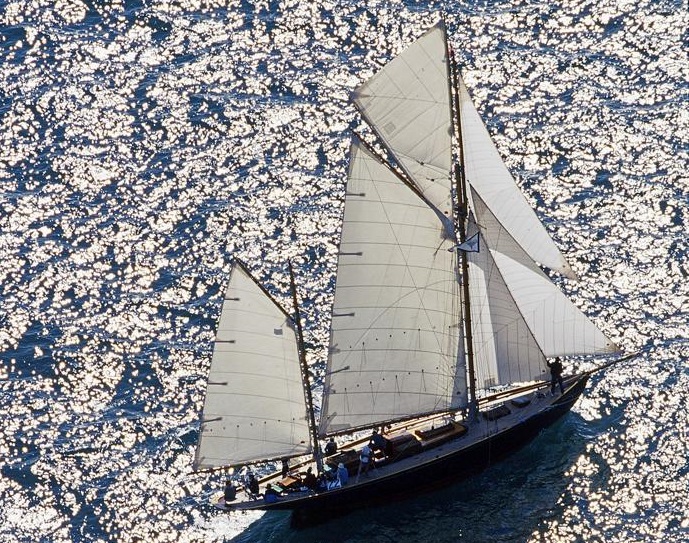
143,144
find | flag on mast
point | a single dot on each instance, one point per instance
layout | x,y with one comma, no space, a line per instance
470,245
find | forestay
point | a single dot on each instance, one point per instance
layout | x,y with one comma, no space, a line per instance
255,407
396,344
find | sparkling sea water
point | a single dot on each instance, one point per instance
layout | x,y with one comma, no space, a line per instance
144,143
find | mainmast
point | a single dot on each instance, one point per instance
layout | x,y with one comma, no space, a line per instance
305,375
463,213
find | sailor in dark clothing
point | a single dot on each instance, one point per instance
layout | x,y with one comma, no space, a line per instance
252,486
555,375
330,447
379,443
230,491
271,495
310,480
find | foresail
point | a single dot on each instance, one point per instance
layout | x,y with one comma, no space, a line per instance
396,338
505,350
254,407
554,322
486,172
408,105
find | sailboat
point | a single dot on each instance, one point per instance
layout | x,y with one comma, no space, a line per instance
443,320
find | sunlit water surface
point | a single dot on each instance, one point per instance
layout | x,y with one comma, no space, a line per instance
143,143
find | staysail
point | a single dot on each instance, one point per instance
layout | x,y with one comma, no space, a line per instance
519,317
255,407
408,105
505,350
558,326
396,339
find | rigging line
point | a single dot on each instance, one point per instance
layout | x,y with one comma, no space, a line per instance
308,397
441,171
397,97
617,361
374,394
405,178
245,269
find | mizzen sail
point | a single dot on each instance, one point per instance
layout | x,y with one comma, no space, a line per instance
254,407
396,342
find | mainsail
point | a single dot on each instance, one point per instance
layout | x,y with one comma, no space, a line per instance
396,337
255,407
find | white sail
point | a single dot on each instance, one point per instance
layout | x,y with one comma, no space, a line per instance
396,335
255,407
408,105
486,172
526,300
505,350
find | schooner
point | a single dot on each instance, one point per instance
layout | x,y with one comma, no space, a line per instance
442,322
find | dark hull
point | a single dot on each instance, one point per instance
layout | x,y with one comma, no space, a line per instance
436,472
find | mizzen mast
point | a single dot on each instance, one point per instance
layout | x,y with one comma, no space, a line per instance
308,396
